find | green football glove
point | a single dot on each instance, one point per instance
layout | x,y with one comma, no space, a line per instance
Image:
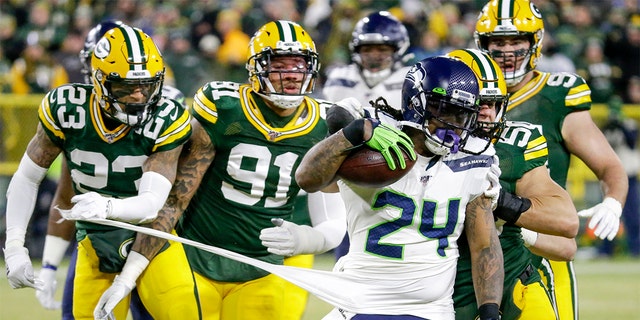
388,141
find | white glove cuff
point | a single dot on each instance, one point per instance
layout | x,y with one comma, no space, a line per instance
152,194
310,241
614,205
529,237
21,199
133,268
54,250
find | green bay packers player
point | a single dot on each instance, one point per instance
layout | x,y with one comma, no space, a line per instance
529,198
236,176
511,31
121,140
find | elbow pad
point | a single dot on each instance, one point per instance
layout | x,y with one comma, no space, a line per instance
152,194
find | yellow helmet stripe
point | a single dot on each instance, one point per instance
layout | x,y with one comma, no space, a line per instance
489,79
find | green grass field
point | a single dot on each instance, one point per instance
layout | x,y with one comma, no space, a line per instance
608,289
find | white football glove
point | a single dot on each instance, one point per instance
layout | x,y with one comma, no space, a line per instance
606,216
118,290
88,206
494,179
49,285
353,106
20,269
290,239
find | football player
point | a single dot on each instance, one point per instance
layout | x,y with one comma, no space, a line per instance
511,32
378,45
121,140
403,236
60,233
236,177
528,198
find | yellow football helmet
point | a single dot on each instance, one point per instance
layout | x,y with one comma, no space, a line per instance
511,18
493,89
281,38
126,59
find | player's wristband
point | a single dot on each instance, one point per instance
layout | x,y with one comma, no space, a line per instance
354,132
511,206
489,311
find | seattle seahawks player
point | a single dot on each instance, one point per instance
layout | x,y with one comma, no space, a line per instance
236,177
122,141
511,31
378,45
528,198
403,237
60,233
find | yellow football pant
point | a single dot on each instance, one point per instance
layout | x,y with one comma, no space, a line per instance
261,298
167,288
294,296
559,277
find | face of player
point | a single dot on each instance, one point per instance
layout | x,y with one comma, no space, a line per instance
376,57
487,111
287,74
509,52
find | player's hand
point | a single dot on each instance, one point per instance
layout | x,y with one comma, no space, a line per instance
118,290
49,285
282,239
494,179
605,218
389,141
88,206
19,268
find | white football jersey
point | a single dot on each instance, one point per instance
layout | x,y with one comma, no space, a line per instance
403,237
346,81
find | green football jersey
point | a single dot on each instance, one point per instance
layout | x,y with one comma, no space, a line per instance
103,160
521,148
251,179
546,100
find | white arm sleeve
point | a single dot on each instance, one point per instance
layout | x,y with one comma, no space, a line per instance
21,199
152,194
328,216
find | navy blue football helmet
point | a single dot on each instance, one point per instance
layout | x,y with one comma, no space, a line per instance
379,28
90,43
444,92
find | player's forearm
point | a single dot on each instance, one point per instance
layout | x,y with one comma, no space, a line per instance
615,182
487,264
552,214
554,247
319,166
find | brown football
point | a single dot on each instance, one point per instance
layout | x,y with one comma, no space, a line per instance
367,167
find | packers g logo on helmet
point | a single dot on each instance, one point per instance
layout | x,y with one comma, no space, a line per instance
281,38
511,18
124,60
493,89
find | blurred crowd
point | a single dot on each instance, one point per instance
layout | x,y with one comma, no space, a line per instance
206,40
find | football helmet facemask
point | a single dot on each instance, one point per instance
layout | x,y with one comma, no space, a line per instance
493,91
378,28
444,91
125,60
281,38
509,18
90,43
